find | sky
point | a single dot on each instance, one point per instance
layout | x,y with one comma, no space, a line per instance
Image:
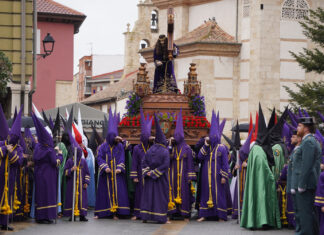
102,31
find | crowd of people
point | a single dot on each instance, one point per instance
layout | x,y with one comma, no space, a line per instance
272,179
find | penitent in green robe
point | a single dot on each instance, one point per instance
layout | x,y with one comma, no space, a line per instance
260,203
279,160
61,171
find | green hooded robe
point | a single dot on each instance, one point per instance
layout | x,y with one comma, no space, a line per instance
279,158
260,204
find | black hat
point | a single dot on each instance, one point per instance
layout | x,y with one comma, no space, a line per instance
307,121
262,127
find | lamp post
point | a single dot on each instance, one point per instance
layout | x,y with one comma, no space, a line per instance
48,47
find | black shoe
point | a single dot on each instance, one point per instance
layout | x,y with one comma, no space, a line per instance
83,218
49,221
44,221
7,228
40,221
70,219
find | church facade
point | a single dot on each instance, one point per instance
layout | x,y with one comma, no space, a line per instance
241,48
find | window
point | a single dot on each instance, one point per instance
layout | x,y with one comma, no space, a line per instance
144,44
294,9
246,8
154,21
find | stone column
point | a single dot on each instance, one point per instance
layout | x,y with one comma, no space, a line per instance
264,83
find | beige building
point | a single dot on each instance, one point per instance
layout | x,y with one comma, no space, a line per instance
114,96
16,21
96,72
241,49
66,92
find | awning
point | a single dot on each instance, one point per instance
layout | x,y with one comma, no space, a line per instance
90,116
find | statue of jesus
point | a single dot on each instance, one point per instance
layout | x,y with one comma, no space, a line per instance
164,78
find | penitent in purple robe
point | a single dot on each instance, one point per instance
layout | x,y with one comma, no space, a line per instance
20,190
243,157
112,196
319,202
155,195
136,173
84,178
181,198
46,174
242,184
14,161
286,207
214,167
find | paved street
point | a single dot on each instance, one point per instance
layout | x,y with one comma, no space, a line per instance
128,227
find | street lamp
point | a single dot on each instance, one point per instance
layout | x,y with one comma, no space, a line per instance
48,45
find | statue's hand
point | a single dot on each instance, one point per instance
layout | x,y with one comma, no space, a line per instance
158,63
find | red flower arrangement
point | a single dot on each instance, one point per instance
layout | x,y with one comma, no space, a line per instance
188,122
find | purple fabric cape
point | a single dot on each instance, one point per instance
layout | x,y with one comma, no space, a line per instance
155,196
187,174
112,196
14,161
46,174
220,192
84,178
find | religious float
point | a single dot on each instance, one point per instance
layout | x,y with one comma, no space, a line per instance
165,99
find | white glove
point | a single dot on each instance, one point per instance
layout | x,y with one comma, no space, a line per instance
301,190
293,191
158,63
206,141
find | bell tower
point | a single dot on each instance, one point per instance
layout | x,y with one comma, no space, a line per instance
144,34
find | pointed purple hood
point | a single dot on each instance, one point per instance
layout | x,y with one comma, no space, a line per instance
221,129
305,113
287,132
318,135
293,118
112,129
159,135
145,130
179,133
214,130
22,143
300,114
30,138
245,149
44,138
321,116
74,144
15,131
4,130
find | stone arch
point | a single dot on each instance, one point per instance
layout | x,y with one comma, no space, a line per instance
294,9
144,43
